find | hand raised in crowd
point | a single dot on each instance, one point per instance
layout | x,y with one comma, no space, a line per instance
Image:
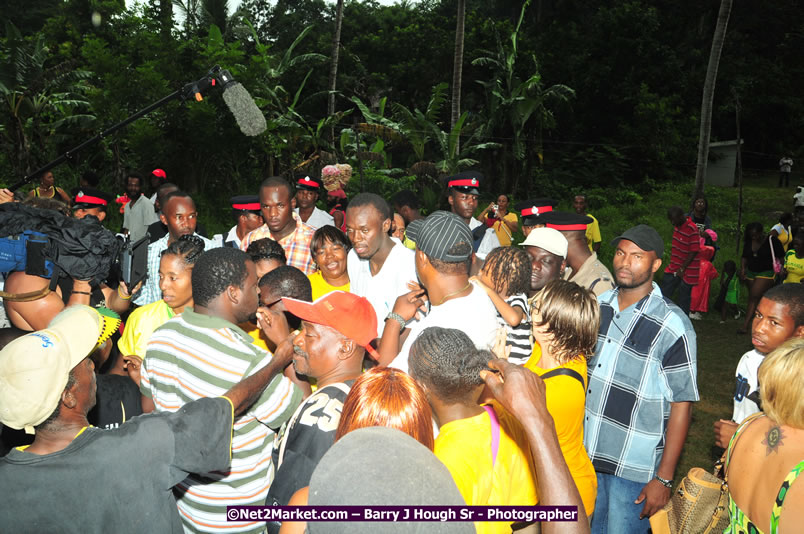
274,324
6,196
724,430
411,305
501,349
122,289
519,390
132,364
284,349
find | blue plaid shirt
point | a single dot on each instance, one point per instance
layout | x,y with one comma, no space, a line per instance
150,291
645,360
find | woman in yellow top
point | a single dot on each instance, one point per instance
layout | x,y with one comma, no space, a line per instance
782,230
485,449
175,273
566,320
497,216
329,248
794,260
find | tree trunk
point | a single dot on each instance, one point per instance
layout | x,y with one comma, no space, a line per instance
457,69
709,94
333,67
165,18
739,170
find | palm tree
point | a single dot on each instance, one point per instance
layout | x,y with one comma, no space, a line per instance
457,66
40,104
417,127
453,156
513,102
191,11
333,65
709,94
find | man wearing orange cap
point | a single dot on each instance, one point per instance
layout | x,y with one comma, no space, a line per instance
336,331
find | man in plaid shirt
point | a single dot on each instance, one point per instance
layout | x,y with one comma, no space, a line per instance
642,383
283,225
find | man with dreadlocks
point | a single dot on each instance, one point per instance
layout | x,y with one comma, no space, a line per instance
506,279
484,447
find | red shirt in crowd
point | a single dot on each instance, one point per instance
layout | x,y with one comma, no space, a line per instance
685,240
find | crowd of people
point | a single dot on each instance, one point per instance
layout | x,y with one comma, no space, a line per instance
255,368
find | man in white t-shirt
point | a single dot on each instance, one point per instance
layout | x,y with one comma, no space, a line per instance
379,266
443,258
779,317
463,192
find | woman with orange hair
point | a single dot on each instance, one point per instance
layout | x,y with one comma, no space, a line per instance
382,396
387,397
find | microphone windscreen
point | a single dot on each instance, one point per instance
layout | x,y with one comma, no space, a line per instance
249,118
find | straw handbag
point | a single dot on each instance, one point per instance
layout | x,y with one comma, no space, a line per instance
700,505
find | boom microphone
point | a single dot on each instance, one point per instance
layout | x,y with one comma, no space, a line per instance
249,118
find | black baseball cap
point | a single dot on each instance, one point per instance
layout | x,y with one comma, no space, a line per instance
643,236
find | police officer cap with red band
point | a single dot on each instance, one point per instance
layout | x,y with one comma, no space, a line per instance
89,197
565,222
245,203
466,182
532,210
308,184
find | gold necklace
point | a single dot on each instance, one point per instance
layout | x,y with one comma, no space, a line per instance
461,290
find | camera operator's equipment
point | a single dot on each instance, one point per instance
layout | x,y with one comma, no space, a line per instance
134,261
249,118
49,244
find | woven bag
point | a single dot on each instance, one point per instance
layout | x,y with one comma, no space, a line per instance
700,505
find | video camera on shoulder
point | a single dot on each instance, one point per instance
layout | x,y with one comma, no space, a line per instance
46,243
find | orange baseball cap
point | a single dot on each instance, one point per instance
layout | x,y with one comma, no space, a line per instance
347,313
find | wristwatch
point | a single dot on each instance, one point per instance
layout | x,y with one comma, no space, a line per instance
666,483
398,318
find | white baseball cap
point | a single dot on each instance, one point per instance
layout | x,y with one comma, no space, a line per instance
548,239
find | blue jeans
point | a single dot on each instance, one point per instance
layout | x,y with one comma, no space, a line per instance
615,511
670,283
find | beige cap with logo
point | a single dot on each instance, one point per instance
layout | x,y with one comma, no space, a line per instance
34,368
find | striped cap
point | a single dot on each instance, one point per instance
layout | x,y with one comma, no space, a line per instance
444,236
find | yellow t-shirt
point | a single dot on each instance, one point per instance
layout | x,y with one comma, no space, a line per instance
321,287
565,402
592,232
503,232
140,325
464,446
794,267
